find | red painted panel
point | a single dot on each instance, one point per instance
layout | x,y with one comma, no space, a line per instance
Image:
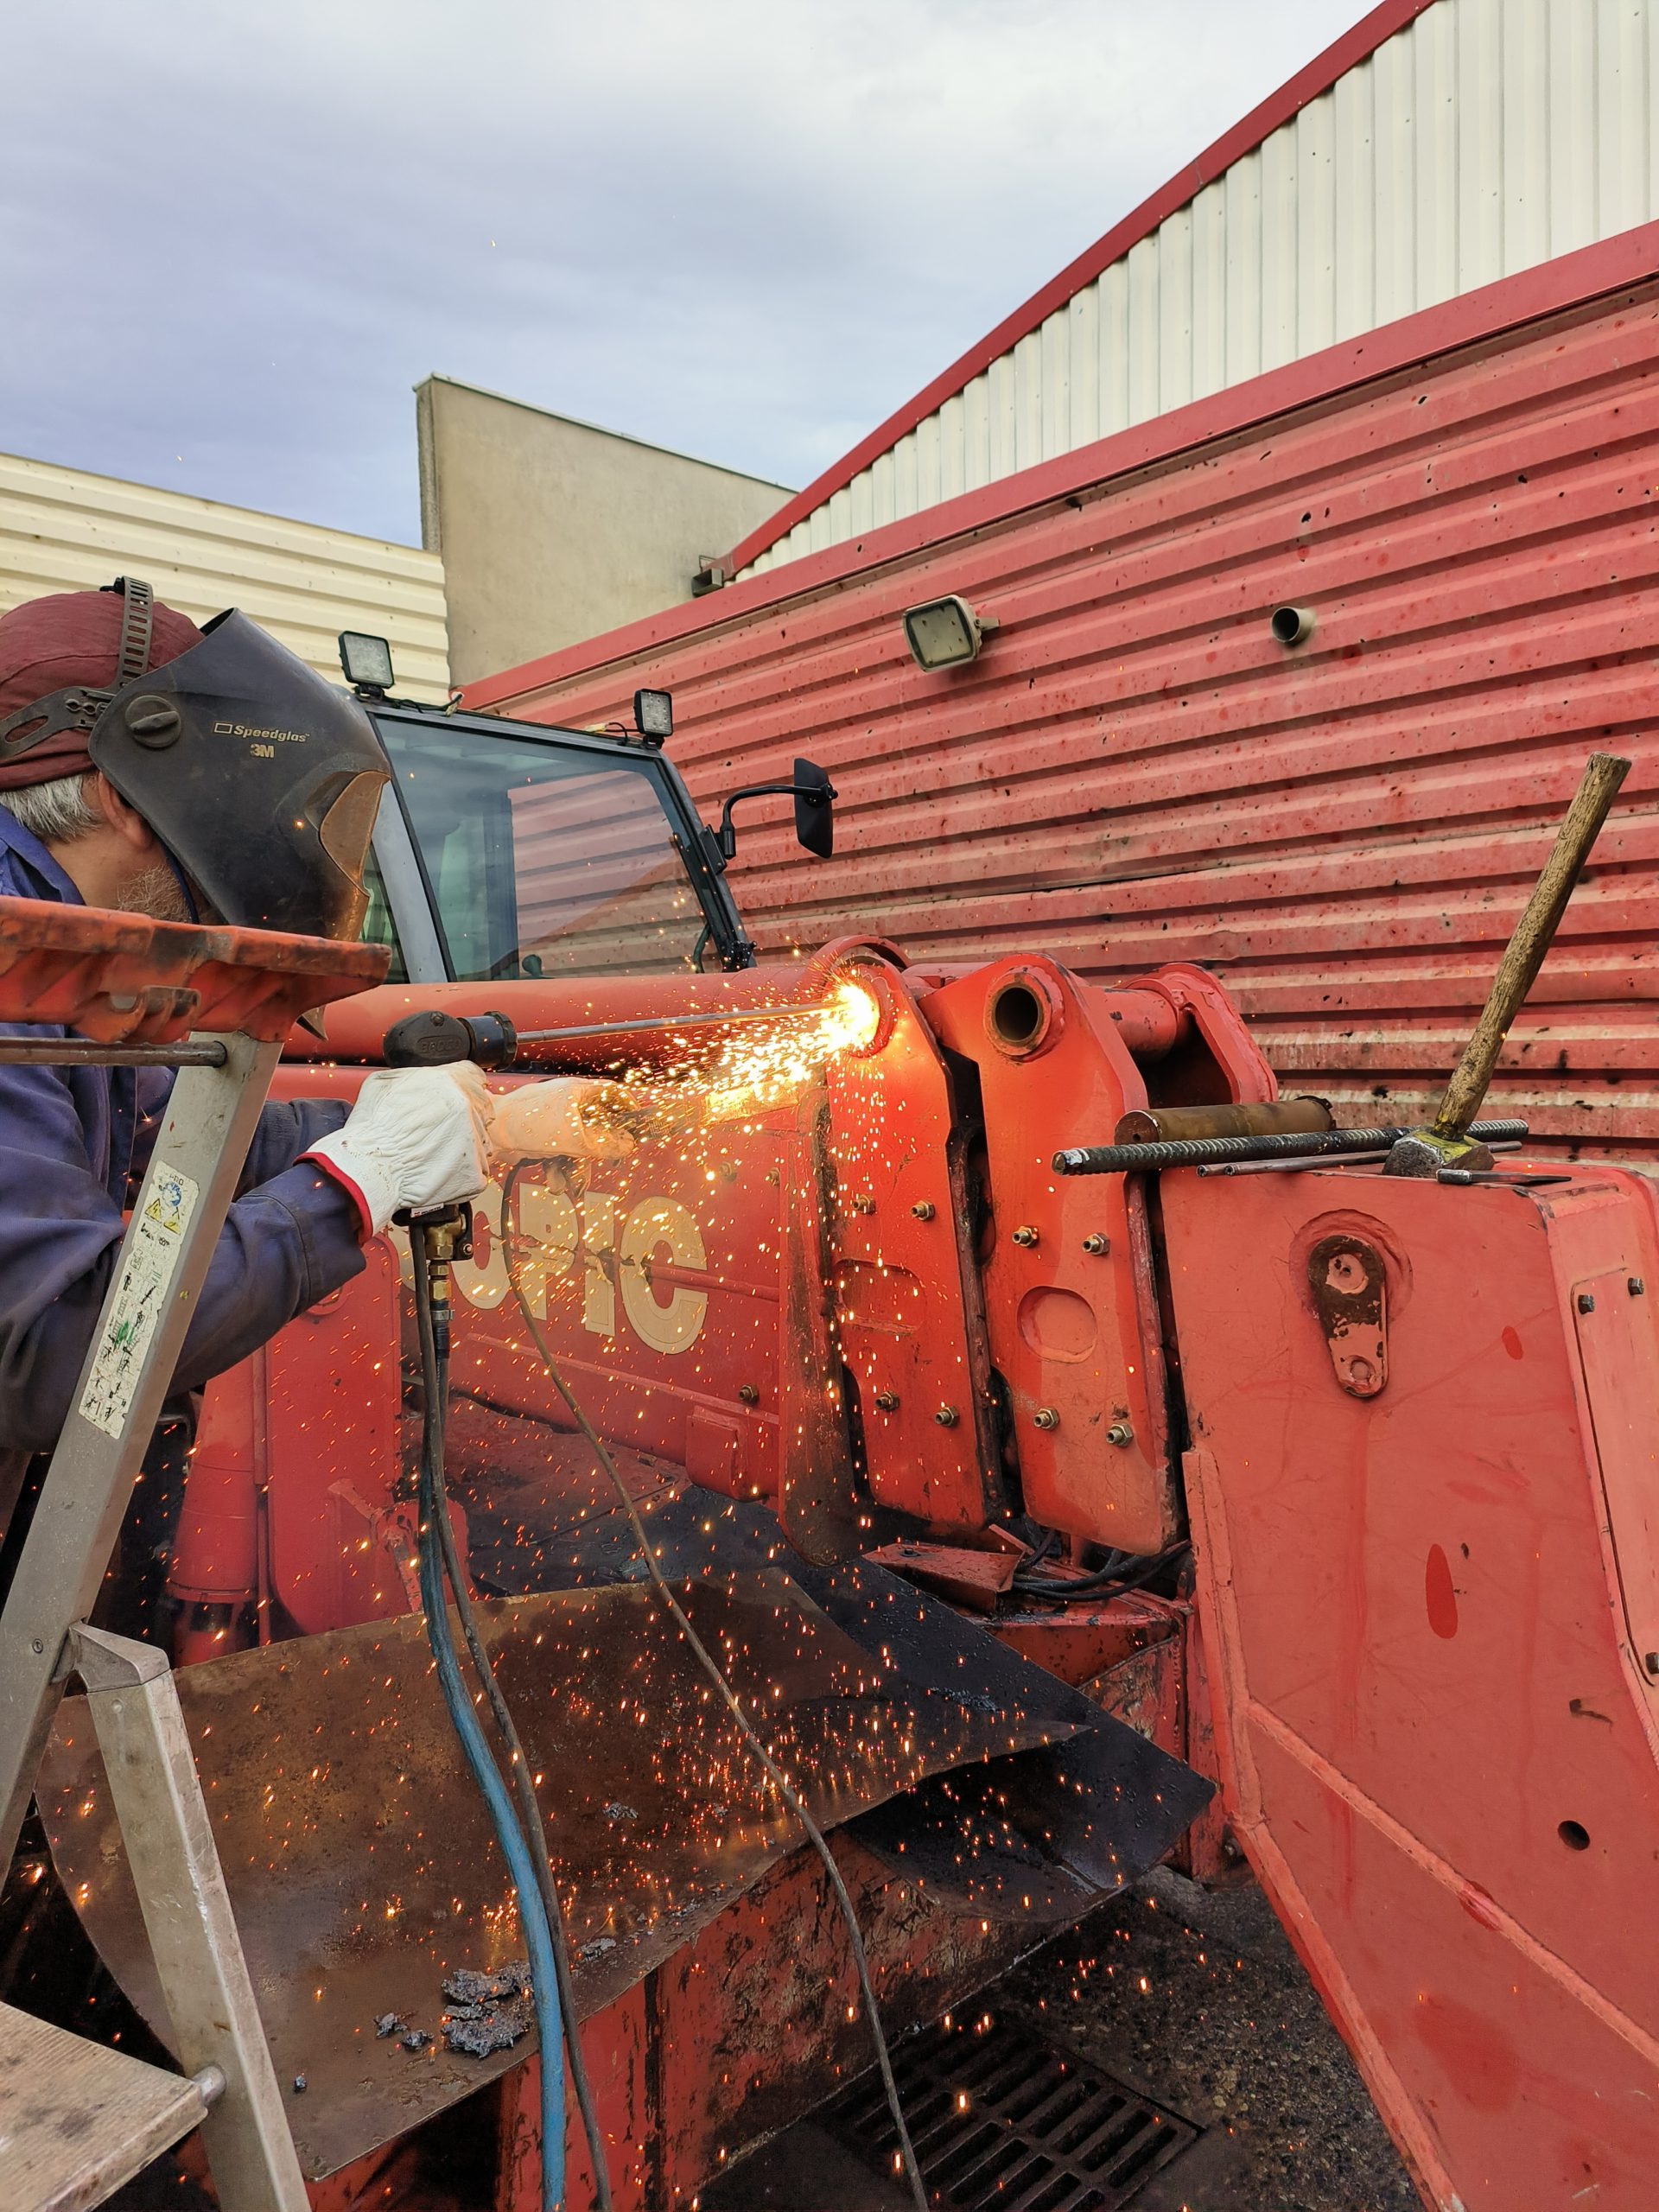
1134,771
1439,1737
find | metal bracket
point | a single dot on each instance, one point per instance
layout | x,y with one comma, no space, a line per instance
1349,1288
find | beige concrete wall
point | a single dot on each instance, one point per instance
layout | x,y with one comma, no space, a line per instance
551,531
63,530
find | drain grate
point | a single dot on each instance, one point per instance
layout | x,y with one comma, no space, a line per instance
1004,2121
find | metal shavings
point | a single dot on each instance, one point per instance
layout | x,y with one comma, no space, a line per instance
618,1811
387,2024
598,1947
416,2039
487,2012
469,1987
496,2030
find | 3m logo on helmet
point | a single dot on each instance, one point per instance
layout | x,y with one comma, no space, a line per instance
625,1255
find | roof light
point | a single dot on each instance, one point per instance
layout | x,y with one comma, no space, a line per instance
946,632
366,661
654,715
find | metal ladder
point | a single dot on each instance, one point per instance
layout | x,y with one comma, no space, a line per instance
77,2119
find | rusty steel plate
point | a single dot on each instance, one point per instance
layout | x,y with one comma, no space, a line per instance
359,1859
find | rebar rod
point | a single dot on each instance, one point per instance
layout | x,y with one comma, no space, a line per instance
1202,1152
1534,935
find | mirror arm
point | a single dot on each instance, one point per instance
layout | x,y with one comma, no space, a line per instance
728,831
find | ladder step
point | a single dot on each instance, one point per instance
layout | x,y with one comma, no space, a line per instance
77,2119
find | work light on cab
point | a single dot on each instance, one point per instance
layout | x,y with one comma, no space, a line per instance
654,715
366,662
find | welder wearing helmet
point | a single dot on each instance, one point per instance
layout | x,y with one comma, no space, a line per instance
187,774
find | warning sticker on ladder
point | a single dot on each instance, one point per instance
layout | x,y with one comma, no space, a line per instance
148,1266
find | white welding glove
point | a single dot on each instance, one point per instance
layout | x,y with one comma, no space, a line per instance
416,1137
564,1118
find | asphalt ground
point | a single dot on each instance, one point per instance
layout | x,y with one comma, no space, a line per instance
1194,1999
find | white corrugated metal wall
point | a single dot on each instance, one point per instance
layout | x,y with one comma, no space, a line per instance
61,530
1484,138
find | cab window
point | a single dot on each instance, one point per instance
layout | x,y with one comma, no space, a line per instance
544,859
378,928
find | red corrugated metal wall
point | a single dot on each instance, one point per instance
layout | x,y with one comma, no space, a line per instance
1134,771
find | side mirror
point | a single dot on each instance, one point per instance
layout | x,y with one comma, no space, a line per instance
815,816
814,795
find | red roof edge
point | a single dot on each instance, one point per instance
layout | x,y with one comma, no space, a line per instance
1319,74
1549,288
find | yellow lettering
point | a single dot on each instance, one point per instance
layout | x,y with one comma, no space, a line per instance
598,1257
613,1255
653,1224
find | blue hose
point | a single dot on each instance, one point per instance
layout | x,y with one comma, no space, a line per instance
538,1939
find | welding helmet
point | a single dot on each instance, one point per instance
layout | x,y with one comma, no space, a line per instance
260,779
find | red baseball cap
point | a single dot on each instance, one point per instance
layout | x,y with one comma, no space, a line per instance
71,638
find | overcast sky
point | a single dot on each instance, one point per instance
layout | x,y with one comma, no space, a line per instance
233,237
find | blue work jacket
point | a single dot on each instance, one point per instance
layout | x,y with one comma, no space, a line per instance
74,1142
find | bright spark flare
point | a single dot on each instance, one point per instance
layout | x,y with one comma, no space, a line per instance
757,1069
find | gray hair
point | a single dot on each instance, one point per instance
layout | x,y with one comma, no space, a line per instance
57,813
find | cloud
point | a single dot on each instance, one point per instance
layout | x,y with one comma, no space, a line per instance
232,239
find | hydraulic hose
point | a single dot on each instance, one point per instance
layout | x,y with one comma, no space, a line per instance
538,1939
529,1813
1124,1570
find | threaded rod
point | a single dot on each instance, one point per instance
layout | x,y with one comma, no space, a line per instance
1203,1152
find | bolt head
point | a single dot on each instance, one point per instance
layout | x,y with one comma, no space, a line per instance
1098,1245
946,1417
749,1394
1586,1302
1046,1417
887,1400
923,1209
1635,1285
1120,1433
1651,1660
1027,1236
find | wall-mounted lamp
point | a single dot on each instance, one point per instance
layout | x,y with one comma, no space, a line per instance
946,632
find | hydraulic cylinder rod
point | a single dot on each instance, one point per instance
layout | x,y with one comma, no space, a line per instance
1203,1152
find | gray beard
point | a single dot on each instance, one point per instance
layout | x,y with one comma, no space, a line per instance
155,892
